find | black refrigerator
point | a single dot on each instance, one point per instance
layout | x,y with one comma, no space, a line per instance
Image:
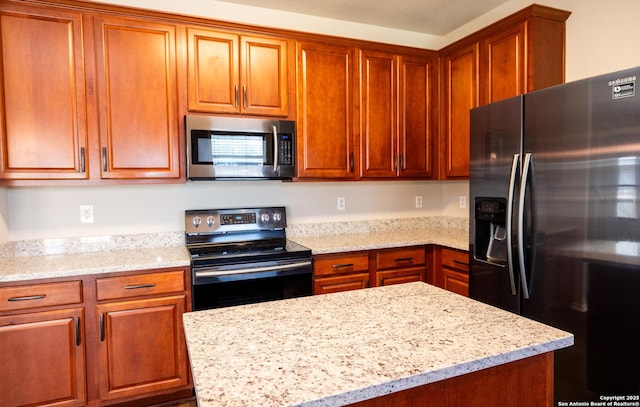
555,224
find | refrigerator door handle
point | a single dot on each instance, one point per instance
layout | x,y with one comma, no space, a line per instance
509,220
523,187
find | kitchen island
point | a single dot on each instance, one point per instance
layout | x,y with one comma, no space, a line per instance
380,345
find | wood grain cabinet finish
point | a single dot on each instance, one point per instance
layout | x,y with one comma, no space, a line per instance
326,83
396,107
43,118
401,265
141,347
452,270
137,94
231,73
518,54
340,272
43,350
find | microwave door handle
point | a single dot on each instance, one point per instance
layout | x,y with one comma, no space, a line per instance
275,148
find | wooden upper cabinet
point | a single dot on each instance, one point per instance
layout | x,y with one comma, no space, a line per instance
518,54
416,110
43,121
230,73
137,93
460,95
379,139
396,136
326,87
503,69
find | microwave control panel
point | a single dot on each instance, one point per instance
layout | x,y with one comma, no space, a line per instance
285,149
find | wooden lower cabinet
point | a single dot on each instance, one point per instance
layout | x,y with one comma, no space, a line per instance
141,347
355,270
98,340
452,270
42,355
522,383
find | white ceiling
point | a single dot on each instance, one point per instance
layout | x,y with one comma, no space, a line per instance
435,17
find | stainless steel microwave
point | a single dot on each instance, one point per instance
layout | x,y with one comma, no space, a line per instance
221,147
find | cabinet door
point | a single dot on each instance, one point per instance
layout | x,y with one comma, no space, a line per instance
456,282
340,283
264,73
399,276
214,69
416,134
138,98
460,96
42,359
43,126
503,65
378,142
326,129
142,347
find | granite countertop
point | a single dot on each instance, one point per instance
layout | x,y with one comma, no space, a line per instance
335,349
51,258
328,238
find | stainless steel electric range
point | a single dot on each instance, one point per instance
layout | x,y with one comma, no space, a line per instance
242,255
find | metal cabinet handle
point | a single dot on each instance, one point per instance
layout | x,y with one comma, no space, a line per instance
339,266
82,160
244,96
27,298
401,259
78,335
351,162
135,287
462,263
236,91
104,159
102,327
395,162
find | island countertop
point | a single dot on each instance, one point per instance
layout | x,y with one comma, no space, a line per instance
336,349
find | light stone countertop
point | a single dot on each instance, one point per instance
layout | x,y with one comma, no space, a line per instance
369,235
51,258
336,349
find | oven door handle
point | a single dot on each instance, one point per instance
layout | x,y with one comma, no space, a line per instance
252,269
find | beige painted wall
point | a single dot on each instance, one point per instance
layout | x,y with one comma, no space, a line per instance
598,38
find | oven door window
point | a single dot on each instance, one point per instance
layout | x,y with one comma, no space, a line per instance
230,148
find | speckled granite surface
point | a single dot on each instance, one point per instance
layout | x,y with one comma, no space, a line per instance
323,238
49,258
336,349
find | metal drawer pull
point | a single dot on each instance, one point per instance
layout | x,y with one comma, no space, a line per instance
461,263
104,159
27,298
339,266
135,287
404,259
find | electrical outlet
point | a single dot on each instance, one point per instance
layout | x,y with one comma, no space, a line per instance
341,203
463,201
86,213
418,201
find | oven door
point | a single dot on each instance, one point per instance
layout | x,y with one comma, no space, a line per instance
245,283
236,148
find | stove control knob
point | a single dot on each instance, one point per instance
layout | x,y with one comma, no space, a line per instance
196,221
211,221
264,217
277,217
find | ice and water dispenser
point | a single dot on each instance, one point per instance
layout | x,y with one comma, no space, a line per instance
490,230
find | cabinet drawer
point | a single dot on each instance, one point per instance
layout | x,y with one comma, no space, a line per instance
398,258
40,295
455,259
323,266
140,284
